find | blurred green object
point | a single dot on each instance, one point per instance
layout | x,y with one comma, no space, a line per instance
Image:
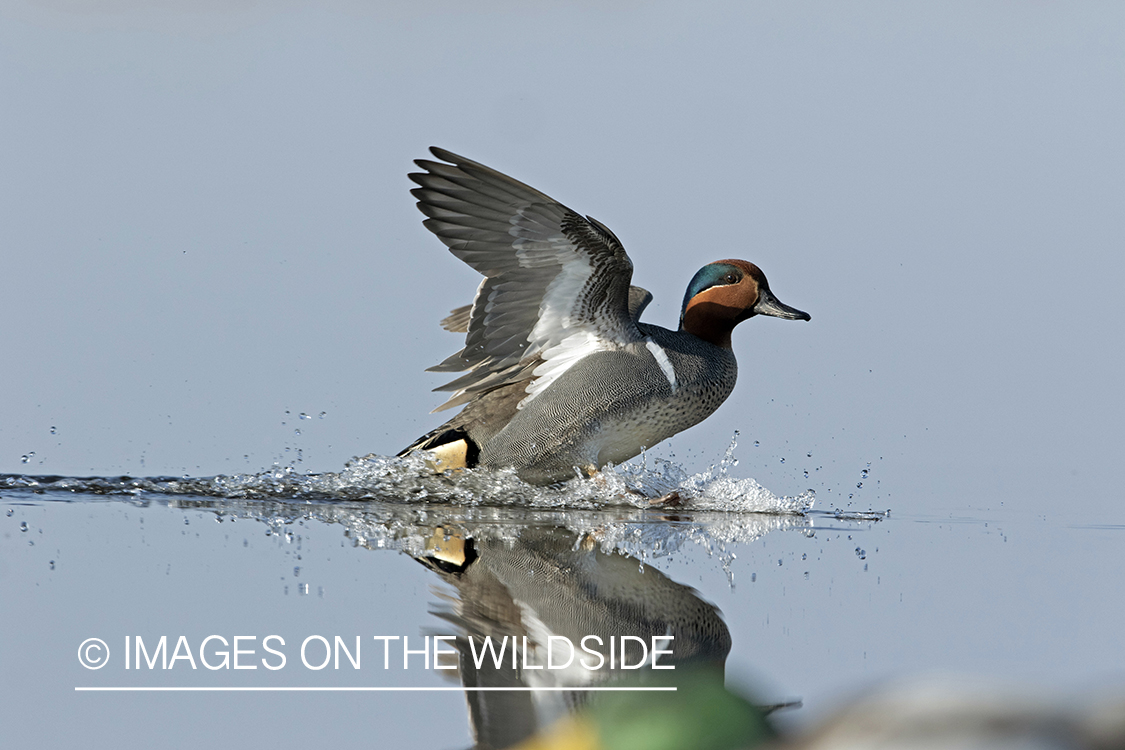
701,714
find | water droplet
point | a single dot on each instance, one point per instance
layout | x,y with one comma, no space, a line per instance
804,555
806,473
859,485
11,511
296,432
23,525
753,577
861,554
756,443
52,564
809,455
783,460
296,571
322,415
303,589
302,415
863,474
26,458
187,522
54,430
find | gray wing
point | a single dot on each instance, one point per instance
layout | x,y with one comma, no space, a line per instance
458,319
556,284
638,301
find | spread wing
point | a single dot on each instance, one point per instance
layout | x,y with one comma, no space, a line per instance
458,319
556,284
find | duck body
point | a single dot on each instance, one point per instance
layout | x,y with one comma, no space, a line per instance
614,404
562,377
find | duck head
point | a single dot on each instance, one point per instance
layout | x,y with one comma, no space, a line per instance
725,293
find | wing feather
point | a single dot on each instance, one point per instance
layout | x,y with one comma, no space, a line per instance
556,284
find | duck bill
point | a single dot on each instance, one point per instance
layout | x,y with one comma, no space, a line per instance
768,304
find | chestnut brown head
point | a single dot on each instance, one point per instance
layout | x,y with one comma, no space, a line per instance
725,293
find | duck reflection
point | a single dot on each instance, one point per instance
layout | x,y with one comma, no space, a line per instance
549,610
546,583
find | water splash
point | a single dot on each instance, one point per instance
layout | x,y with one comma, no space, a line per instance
400,504
410,480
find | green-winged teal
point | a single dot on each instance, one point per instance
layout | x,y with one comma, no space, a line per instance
561,375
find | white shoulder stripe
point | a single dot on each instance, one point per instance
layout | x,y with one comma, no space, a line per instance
560,358
661,358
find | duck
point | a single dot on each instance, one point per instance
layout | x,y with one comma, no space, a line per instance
561,377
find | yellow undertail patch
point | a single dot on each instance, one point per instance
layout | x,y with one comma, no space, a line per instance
450,549
449,456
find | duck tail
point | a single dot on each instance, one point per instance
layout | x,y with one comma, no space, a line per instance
453,446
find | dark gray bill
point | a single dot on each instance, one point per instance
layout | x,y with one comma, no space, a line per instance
768,304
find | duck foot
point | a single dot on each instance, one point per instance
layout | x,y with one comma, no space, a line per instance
671,500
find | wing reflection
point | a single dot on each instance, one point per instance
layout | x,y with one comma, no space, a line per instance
566,615
566,597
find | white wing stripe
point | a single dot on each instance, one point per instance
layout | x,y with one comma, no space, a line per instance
560,358
661,358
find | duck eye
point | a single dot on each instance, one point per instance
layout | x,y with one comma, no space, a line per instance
730,278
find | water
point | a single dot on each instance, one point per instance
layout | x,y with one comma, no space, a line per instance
375,493
802,606
591,546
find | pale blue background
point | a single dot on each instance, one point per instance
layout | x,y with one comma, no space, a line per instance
205,231
206,221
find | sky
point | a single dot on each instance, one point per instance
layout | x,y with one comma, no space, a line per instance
207,229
